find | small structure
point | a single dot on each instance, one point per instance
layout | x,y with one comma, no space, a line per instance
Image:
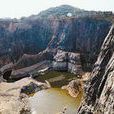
69,14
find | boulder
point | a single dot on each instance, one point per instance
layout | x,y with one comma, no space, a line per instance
32,88
74,87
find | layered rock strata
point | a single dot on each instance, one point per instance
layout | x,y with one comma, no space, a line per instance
99,97
67,61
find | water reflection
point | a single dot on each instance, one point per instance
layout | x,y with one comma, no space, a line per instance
53,101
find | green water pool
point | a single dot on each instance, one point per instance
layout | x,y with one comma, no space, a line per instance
54,101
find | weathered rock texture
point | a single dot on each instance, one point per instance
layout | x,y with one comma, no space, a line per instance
14,97
67,61
74,87
82,33
49,59
30,42
99,97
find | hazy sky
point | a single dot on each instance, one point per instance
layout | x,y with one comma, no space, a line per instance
19,8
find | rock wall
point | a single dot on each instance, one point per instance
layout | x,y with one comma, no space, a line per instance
67,61
52,59
99,97
84,35
77,35
28,41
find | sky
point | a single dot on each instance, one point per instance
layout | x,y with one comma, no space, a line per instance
20,8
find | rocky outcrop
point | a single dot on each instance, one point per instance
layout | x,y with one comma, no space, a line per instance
33,40
28,71
67,61
74,87
52,33
83,34
49,59
78,35
32,88
99,97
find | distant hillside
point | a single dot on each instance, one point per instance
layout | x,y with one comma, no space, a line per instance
61,11
64,11
58,12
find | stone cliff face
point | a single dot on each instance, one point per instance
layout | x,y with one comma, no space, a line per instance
49,59
27,41
84,35
99,97
61,42
67,61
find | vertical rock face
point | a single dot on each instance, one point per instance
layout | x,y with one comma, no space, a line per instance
84,35
74,63
67,61
99,97
81,36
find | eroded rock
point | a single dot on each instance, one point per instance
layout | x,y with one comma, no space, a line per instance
67,61
32,88
74,87
99,97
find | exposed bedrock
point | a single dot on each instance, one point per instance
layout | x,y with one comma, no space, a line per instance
47,60
67,61
21,38
82,36
35,42
99,97
74,87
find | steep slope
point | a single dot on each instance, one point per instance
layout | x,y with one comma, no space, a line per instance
18,37
99,97
31,35
83,35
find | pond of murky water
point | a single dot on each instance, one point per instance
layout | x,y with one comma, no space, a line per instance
54,101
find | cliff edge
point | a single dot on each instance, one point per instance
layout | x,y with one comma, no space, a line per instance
99,98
